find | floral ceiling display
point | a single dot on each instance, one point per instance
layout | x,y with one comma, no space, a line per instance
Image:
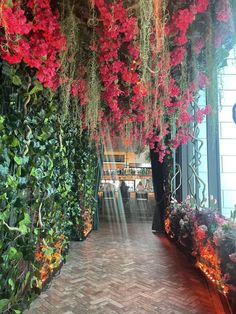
134,68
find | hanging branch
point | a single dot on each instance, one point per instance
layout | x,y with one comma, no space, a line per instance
40,222
194,166
146,18
173,188
40,215
12,228
27,137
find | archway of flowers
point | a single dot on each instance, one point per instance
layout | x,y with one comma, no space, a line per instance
75,71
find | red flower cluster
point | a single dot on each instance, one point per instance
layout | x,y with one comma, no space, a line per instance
182,19
123,92
37,42
201,6
201,113
177,55
174,99
203,80
79,89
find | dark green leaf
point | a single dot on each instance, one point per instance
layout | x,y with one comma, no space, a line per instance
16,80
36,89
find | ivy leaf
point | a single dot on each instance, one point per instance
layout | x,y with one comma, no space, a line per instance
27,218
3,303
48,251
14,142
23,228
35,280
36,231
2,119
27,276
23,224
12,182
37,88
50,232
12,252
11,283
18,172
16,80
18,160
44,135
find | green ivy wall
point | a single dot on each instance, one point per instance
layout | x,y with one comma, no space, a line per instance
47,184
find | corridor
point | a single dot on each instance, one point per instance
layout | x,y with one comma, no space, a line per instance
126,269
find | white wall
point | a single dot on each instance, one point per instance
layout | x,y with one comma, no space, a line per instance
227,135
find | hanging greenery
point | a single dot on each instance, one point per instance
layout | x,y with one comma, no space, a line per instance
69,60
146,26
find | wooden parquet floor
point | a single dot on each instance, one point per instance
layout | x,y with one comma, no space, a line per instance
126,269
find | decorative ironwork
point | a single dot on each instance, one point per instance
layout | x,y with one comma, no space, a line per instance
194,180
177,174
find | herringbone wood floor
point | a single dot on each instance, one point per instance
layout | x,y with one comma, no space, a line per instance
126,269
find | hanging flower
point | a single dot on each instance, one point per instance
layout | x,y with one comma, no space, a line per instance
223,13
201,5
123,91
177,56
198,46
203,80
37,42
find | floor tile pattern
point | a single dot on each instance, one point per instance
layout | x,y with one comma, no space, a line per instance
125,268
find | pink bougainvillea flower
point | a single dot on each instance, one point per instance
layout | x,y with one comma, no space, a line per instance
177,55
203,80
181,39
198,46
14,21
223,13
201,5
12,59
34,37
